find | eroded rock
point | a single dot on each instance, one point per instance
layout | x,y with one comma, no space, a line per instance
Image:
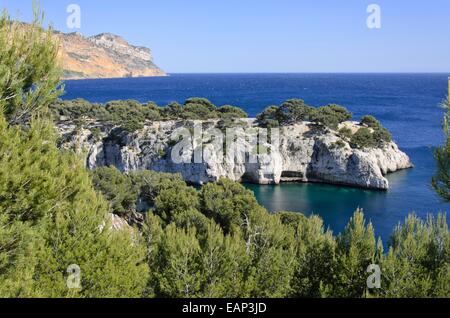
306,153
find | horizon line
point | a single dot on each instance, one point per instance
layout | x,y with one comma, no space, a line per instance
315,72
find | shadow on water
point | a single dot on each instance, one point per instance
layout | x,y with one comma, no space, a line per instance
410,191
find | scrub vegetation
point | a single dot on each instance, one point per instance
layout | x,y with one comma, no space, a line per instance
216,241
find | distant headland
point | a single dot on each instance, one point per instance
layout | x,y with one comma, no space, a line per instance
104,56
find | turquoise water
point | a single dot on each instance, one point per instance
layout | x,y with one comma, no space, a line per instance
407,104
410,192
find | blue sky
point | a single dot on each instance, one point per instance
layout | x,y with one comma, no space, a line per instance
268,36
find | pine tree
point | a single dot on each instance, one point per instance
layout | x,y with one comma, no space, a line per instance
20,245
225,265
356,250
185,264
441,179
51,219
268,242
271,245
315,254
176,199
47,201
29,71
418,261
228,203
117,188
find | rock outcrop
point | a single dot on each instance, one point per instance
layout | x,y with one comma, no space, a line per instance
304,152
104,56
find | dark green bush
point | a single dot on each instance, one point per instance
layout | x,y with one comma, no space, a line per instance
205,103
382,135
269,117
198,112
294,110
117,188
345,133
172,111
78,108
131,115
223,239
131,125
331,115
363,138
124,191
124,111
339,144
228,111
371,122
96,134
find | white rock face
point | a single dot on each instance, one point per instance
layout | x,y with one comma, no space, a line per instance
305,153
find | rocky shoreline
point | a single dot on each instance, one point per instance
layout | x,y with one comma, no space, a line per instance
104,56
306,153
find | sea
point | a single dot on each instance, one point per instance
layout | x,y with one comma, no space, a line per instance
407,104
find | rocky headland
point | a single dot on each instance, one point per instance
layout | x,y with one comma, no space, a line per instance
306,152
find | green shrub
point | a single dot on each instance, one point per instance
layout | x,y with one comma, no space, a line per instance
441,178
331,115
96,134
131,125
175,200
417,264
371,122
198,109
128,112
356,249
269,117
29,72
172,111
131,114
198,112
345,133
227,202
226,245
151,183
76,108
117,188
228,111
51,217
339,144
382,135
205,103
293,111
363,138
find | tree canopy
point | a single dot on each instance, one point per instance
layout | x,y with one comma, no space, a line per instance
216,241
441,179
51,218
29,71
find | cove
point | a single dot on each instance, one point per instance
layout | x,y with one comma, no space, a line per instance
410,191
406,104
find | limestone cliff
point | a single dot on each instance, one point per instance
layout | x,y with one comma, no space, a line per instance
306,153
104,56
